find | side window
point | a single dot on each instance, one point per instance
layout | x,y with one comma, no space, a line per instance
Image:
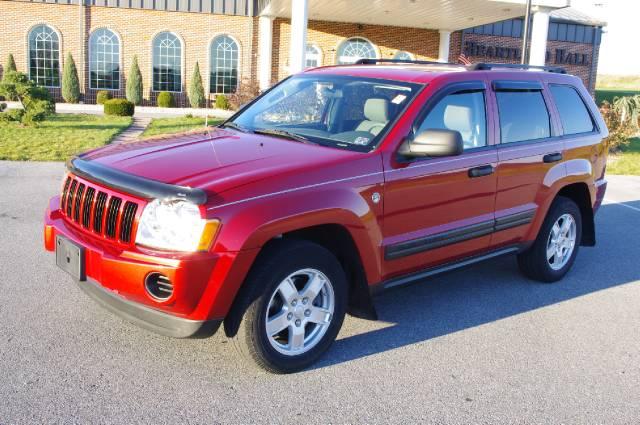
574,115
463,112
523,116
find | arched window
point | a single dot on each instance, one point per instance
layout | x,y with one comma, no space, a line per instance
44,56
402,55
104,61
223,65
167,62
355,48
313,56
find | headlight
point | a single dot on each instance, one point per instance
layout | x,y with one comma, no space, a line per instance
175,225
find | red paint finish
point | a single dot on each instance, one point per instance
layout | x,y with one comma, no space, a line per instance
261,187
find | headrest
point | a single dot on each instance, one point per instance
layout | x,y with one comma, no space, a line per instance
377,110
458,118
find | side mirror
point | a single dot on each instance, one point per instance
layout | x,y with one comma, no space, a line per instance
433,143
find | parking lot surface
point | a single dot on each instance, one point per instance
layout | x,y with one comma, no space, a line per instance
479,345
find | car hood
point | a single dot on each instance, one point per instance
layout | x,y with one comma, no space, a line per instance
216,160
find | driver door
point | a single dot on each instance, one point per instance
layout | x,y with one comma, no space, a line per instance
438,210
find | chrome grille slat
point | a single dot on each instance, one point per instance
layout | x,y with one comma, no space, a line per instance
78,203
86,208
112,217
65,191
70,196
128,214
98,214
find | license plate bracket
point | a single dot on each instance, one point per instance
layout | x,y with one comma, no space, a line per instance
70,258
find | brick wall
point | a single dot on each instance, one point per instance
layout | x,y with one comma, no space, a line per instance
136,29
586,73
328,36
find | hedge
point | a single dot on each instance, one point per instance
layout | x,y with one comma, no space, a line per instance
119,107
166,100
102,97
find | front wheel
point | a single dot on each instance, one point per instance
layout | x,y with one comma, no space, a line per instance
296,306
555,249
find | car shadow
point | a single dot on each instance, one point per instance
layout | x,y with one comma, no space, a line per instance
495,290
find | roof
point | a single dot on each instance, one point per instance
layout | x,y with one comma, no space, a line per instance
573,15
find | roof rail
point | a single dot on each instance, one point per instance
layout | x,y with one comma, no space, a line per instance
367,61
489,66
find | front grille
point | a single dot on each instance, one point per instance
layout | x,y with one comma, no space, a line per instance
97,210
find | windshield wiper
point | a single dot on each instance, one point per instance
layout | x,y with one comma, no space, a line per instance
231,124
282,133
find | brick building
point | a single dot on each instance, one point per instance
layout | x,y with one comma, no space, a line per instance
262,41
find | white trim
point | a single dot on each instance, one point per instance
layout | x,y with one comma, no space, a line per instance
120,56
60,52
182,61
265,51
240,51
376,49
444,44
253,198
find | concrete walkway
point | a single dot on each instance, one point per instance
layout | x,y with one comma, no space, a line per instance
133,132
141,111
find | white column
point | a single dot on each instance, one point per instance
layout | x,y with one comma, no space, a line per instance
299,17
445,42
539,33
265,49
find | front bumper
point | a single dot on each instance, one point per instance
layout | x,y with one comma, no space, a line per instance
148,318
204,283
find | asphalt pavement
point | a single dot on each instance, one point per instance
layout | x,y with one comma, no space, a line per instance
479,345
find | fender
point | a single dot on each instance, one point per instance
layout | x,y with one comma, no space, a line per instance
247,227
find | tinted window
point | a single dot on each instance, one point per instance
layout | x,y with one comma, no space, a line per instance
573,113
463,112
523,116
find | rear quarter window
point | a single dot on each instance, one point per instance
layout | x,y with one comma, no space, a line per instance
523,116
573,112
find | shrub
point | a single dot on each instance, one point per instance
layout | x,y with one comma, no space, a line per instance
70,83
35,100
12,115
244,94
222,102
119,107
134,83
196,90
10,66
103,96
620,131
3,106
166,100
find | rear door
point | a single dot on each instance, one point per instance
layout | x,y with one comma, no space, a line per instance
529,152
441,209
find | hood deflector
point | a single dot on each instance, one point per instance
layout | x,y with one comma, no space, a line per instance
134,185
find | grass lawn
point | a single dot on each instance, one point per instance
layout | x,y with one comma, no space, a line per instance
59,137
627,161
159,126
612,86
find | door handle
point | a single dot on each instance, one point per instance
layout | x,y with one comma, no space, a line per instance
552,157
483,170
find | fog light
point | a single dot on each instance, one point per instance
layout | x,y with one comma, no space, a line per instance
158,286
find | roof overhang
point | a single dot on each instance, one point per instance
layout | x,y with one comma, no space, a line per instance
451,15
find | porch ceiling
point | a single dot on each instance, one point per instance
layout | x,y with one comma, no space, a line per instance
433,14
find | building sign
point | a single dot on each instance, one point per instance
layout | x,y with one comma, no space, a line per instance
556,56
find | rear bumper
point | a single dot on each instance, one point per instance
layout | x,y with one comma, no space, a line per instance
601,189
148,318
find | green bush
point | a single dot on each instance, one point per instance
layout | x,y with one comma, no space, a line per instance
134,83
3,106
119,107
103,96
196,89
222,102
70,83
12,115
166,100
35,100
10,66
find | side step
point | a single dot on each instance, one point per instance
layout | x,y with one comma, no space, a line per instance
405,280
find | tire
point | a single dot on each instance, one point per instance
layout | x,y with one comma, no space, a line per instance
535,263
270,300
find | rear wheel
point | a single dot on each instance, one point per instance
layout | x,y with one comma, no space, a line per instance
555,249
296,305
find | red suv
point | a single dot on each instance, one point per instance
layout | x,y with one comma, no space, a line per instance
335,184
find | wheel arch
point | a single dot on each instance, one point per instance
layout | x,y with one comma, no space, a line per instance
581,195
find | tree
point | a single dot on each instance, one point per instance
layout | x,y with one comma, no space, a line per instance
10,66
70,83
196,90
134,83
35,100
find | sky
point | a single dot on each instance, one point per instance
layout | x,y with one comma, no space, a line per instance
619,52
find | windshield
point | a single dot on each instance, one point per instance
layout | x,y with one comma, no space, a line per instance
339,111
